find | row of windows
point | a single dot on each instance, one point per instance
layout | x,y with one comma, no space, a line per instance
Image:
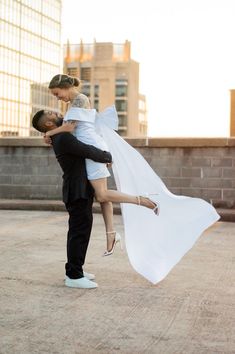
40,96
24,91
17,11
33,22
50,52
87,88
9,88
121,91
26,67
50,8
10,35
10,11
14,115
29,43
37,72
51,29
9,61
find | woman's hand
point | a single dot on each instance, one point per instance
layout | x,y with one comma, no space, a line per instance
66,127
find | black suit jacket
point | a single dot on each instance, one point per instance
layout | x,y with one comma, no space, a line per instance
71,154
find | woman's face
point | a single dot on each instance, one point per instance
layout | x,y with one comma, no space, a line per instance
62,94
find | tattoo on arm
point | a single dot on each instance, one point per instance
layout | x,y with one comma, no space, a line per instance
81,101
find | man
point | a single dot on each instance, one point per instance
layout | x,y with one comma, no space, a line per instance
77,194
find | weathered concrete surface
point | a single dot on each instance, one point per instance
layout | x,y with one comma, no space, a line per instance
191,311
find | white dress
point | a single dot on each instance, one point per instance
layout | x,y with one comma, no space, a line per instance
86,133
155,244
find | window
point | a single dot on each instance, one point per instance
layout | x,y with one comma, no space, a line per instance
121,91
96,104
121,105
86,74
86,89
96,91
122,119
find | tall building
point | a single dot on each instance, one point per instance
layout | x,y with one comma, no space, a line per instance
30,55
232,112
109,75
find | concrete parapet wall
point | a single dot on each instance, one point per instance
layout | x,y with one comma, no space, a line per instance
198,167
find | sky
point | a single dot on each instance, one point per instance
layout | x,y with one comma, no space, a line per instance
186,53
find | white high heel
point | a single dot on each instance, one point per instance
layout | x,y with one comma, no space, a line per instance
156,209
117,238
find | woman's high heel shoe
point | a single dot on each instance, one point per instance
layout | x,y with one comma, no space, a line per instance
156,209
117,238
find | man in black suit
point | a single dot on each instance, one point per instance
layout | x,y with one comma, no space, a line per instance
77,194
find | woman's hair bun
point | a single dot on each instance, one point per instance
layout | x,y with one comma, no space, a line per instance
76,82
63,81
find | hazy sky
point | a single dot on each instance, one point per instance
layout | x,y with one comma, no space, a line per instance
186,53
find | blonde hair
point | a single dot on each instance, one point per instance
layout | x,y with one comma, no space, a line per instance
63,81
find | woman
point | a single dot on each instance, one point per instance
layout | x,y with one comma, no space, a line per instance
154,244
65,88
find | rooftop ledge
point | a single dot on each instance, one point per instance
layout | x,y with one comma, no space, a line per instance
136,142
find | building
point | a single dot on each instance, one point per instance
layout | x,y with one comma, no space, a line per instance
232,112
30,55
109,75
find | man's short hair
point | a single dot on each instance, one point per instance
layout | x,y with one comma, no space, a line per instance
38,120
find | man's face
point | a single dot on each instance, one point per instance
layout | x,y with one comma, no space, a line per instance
54,118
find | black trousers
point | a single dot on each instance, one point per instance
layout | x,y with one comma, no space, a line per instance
80,224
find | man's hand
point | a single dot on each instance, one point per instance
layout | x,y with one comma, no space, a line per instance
47,139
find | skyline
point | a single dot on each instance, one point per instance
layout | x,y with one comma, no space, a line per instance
185,52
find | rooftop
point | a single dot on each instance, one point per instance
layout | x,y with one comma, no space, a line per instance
190,311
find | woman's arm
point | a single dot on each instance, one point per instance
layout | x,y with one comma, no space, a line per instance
65,127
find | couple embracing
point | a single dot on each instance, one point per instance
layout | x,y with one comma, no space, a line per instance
157,234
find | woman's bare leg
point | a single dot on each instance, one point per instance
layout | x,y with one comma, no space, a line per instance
107,195
107,212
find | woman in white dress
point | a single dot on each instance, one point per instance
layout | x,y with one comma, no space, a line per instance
154,244
65,88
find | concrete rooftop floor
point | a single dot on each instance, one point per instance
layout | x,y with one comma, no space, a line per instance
191,311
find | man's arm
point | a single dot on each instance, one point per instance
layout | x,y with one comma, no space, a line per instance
75,147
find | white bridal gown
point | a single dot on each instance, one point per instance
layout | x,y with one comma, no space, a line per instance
155,244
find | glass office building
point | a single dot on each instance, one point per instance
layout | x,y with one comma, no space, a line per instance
30,55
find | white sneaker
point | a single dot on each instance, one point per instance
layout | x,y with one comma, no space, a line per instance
82,283
89,276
